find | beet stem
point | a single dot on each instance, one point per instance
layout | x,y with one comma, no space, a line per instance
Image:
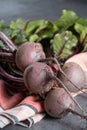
6,54
7,60
7,41
15,71
10,77
4,49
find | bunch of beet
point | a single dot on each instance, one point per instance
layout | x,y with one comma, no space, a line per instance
29,70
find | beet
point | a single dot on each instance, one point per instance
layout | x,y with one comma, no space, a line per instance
37,78
28,53
57,102
75,74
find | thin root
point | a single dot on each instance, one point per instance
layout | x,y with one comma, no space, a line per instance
55,60
77,113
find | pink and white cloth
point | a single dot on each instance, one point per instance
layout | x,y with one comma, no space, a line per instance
19,109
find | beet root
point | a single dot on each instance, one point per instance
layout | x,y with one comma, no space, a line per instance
57,103
36,78
28,53
75,74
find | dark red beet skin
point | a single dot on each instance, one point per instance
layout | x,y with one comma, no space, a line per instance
75,74
28,53
36,78
57,103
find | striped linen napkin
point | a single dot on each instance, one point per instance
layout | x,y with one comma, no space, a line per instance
19,109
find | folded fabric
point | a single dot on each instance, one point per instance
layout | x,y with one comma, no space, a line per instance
17,109
32,120
7,100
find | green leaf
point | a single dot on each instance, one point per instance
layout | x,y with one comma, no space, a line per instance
63,43
82,21
46,33
7,32
20,38
14,33
33,38
47,30
33,25
82,30
67,19
18,34
18,24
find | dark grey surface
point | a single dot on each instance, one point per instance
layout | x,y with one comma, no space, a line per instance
38,9
50,10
